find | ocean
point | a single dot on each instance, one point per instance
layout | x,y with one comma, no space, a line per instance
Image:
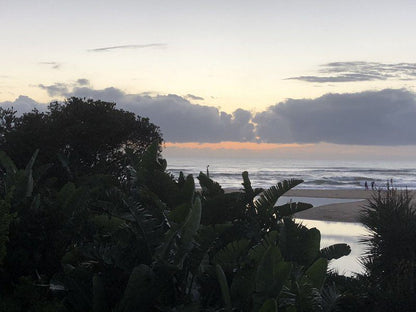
316,174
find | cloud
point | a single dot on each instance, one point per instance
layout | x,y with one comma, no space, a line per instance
339,78
63,89
179,119
54,65
129,46
55,89
23,104
193,97
83,82
384,117
361,71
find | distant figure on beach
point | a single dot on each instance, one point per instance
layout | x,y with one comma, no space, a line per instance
366,185
373,185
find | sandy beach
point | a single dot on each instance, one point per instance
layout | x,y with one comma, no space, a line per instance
342,212
338,212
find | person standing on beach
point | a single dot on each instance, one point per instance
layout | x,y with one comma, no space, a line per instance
366,185
373,185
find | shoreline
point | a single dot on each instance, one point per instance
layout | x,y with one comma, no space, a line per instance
337,212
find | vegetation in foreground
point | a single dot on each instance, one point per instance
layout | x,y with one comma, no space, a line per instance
390,262
125,235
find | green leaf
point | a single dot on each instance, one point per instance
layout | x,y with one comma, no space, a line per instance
31,162
247,185
281,273
257,252
269,197
229,256
7,164
29,174
242,285
225,290
149,162
179,213
209,187
183,235
5,219
99,300
317,272
311,242
269,306
266,269
139,292
290,209
192,223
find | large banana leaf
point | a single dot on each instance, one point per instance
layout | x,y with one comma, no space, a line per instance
272,273
21,180
335,251
298,243
267,268
265,203
99,298
140,290
257,252
179,239
247,184
209,187
7,164
316,273
225,290
290,209
249,193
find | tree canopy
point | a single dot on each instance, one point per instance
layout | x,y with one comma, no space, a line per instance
82,135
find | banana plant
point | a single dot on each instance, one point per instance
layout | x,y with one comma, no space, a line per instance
16,187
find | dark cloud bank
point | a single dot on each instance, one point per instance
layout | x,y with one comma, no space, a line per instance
386,117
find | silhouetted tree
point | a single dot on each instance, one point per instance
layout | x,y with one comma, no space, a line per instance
83,136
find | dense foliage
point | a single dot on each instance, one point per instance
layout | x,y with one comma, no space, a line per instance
156,244
390,263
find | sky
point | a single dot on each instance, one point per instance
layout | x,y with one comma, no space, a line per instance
275,78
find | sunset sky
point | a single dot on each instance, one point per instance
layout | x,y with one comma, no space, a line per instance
270,76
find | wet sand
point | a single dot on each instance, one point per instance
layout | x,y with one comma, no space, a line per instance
341,212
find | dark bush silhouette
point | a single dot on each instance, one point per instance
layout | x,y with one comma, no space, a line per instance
80,136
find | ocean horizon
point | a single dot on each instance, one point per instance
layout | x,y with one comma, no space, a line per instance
317,174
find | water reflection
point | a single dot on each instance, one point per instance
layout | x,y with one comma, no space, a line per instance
341,232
